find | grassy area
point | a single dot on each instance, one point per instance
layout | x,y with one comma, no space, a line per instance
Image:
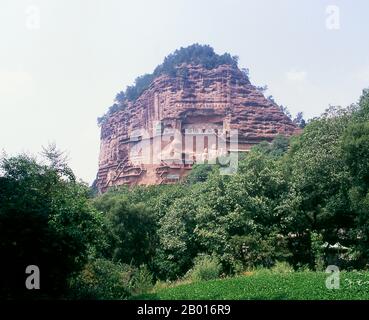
268,285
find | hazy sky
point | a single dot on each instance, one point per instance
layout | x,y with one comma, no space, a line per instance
62,62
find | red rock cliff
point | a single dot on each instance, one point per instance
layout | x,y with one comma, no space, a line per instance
182,120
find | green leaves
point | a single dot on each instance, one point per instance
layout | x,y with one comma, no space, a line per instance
356,151
264,285
355,146
49,219
134,227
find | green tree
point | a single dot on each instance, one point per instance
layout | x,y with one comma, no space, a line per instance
178,245
45,220
134,228
319,180
299,120
355,147
199,173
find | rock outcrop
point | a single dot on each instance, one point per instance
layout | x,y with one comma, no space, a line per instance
181,120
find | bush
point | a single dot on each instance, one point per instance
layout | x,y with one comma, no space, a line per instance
142,280
102,280
45,220
205,268
256,250
282,267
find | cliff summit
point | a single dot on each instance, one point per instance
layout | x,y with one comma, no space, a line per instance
196,107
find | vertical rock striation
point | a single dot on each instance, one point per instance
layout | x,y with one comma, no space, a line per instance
185,119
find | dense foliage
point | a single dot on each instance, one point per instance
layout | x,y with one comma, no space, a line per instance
302,201
289,201
195,54
45,220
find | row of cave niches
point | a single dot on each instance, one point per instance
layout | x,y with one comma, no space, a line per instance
168,171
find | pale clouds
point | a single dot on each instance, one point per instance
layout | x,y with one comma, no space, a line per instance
15,82
362,75
298,93
296,75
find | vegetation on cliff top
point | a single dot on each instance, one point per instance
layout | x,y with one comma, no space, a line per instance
195,54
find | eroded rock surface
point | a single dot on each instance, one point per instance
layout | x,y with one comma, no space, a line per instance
182,120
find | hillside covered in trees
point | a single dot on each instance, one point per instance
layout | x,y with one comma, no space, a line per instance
302,201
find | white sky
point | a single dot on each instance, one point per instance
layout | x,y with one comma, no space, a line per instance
60,72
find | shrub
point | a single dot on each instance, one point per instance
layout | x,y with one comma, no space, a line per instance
256,250
142,280
102,280
282,267
205,268
45,220
317,250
